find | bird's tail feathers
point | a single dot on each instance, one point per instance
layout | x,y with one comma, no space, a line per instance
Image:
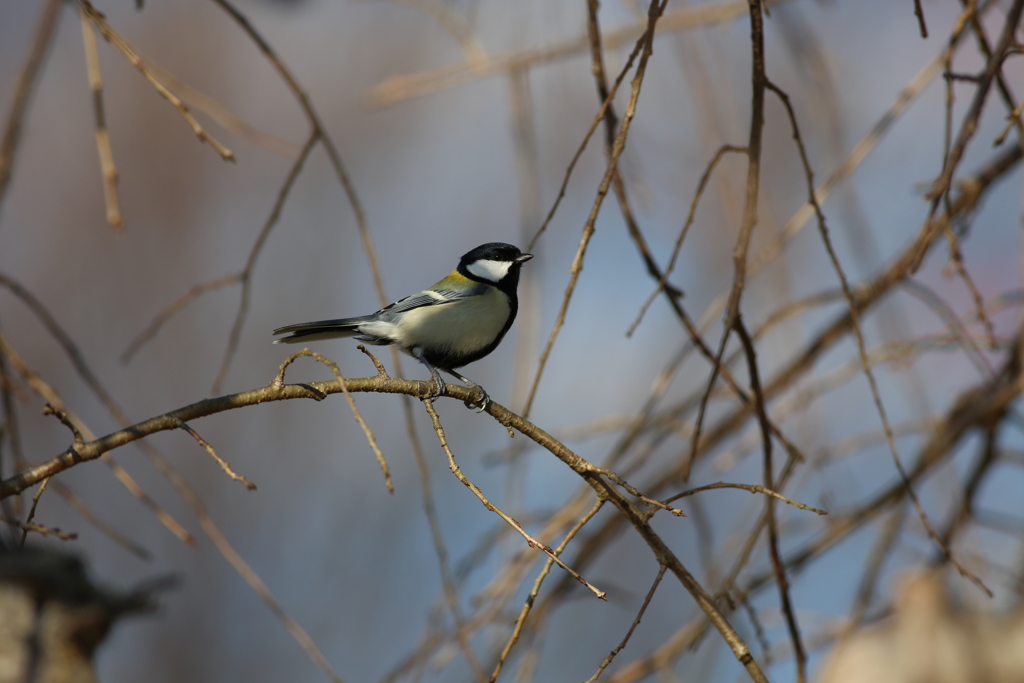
321,329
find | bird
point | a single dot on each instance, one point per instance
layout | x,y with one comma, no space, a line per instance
454,322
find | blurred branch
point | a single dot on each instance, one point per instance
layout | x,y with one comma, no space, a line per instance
23,90
400,88
370,437
245,276
919,13
845,169
750,211
971,192
944,182
128,51
647,42
276,391
108,170
530,540
224,117
976,408
44,390
636,622
168,312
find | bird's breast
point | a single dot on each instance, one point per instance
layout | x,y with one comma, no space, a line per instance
461,328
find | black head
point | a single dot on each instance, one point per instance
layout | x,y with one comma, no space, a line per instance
494,263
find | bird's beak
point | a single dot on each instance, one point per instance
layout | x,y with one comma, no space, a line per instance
523,258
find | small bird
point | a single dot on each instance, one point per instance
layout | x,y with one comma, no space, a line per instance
452,323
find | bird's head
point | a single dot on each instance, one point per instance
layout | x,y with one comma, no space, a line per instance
495,263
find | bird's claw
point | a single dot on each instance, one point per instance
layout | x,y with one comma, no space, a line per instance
484,401
439,387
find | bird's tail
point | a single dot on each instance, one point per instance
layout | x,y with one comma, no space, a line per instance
321,329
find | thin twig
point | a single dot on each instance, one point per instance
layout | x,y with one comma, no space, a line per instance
246,273
861,345
27,527
49,409
168,312
43,389
704,178
636,622
224,465
647,40
129,52
531,541
750,211
781,580
108,170
22,93
753,488
370,436
919,13
524,612
32,510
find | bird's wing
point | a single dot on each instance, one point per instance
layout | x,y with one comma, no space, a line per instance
435,296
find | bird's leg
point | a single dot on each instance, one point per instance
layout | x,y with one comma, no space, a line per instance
439,384
484,398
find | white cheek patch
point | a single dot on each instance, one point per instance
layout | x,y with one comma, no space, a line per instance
492,271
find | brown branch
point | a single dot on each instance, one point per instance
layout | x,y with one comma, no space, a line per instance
969,126
128,51
224,465
919,13
752,488
781,580
636,622
27,527
48,409
576,267
44,390
108,171
690,216
517,629
32,510
861,345
27,80
753,184
276,392
172,308
246,274
400,88
533,542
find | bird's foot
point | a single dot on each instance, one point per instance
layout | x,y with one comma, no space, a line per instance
439,386
482,403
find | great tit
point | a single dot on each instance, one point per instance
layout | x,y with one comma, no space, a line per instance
452,323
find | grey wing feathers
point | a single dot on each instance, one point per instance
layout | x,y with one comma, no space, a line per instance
349,327
429,297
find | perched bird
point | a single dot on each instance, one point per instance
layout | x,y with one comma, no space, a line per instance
452,323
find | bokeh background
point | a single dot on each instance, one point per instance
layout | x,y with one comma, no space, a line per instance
437,172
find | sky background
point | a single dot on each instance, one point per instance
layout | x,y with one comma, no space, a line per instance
437,175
